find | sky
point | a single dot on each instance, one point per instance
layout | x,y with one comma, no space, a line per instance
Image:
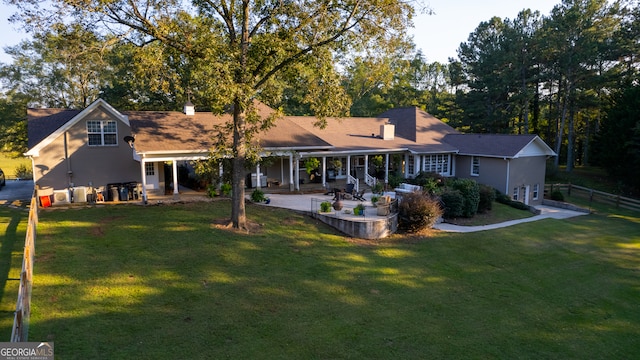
438,35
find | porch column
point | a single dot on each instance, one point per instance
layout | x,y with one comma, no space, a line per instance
366,166
258,176
348,169
291,180
297,171
324,172
221,174
143,172
386,169
175,178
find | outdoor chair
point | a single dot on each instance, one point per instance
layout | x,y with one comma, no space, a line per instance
359,195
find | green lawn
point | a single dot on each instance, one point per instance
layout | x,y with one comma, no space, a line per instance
164,282
13,225
8,165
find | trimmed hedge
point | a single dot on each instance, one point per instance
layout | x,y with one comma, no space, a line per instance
453,203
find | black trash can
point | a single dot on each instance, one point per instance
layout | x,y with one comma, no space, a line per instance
124,193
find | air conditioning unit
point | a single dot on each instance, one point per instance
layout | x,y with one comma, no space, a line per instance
61,196
80,194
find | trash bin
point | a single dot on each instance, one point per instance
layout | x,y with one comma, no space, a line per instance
113,193
124,193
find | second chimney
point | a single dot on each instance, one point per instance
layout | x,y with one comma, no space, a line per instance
387,131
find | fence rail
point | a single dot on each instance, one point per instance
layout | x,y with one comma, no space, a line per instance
20,330
595,195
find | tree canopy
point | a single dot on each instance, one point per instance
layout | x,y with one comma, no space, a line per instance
232,52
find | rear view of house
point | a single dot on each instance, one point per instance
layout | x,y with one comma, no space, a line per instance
100,148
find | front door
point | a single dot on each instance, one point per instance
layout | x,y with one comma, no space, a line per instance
151,175
525,194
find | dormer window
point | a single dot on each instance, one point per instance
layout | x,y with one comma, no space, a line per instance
102,132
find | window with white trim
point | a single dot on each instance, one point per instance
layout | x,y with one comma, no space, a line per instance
516,191
149,169
475,166
102,132
411,165
536,190
436,163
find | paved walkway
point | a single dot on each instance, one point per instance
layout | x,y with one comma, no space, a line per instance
303,203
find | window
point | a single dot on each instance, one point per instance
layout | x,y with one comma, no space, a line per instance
475,166
436,163
536,190
411,168
102,132
149,169
515,193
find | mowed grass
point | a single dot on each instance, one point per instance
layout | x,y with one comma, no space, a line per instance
13,225
165,282
9,165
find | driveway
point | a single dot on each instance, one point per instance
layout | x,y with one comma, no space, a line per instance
16,193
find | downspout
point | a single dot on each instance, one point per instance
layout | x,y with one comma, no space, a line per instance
68,161
506,186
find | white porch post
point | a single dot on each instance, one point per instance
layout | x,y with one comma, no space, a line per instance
324,172
258,176
291,179
221,174
297,171
386,169
348,168
143,173
175,178
366,166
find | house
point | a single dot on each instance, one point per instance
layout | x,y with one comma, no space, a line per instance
76,151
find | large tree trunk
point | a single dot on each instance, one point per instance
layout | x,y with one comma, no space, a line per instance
238,214
571,139
560,128
238,211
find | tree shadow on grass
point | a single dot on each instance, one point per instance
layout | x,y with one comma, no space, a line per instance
10,263
165,283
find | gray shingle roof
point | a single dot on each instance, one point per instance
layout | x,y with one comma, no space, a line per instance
493,145
42,122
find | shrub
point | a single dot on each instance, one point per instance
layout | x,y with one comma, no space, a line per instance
24,172
519,205
378,188
258,196
417,211
225,189
557,195
395,180
470,192
453,203
325,206
503,198
487,196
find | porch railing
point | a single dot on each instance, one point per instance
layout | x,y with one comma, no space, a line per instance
355,181
370,180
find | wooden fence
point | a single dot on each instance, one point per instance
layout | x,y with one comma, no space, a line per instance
595,195
20,330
